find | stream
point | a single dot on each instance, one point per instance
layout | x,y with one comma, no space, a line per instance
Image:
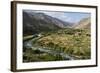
28,44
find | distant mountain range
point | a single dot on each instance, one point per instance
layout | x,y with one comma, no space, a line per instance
85,23
38,22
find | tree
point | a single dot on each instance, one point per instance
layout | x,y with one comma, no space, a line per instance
51,44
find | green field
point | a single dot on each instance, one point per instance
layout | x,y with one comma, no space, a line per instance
72,42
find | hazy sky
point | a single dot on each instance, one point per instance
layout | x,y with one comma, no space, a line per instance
72,17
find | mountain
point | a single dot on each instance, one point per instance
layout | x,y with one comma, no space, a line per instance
85,23
37,22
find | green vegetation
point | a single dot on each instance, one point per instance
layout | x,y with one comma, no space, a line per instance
37,56
74,42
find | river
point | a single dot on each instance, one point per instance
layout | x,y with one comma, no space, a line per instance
28,44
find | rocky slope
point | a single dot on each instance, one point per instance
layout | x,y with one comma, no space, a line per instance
84,24
38,22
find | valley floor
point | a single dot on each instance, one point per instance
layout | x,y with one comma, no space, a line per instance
64,44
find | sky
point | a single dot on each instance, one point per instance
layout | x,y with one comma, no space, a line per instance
72,17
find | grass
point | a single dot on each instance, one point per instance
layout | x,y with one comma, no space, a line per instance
74,42
29,56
